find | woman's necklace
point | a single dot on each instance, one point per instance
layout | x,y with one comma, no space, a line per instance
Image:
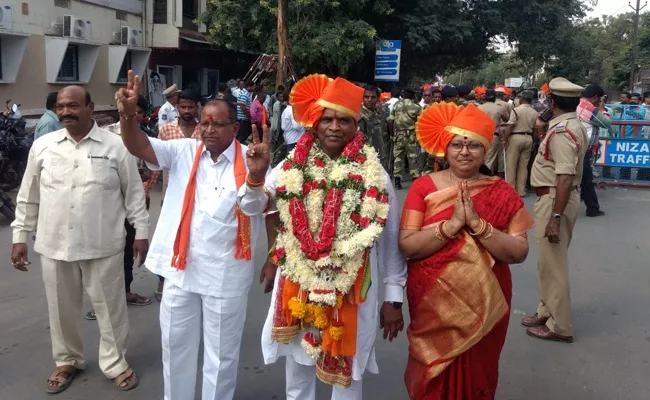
455,181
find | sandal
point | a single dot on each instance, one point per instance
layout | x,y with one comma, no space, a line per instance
137,300
90,315
61,379
126,381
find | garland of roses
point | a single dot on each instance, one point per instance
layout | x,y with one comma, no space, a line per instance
328,224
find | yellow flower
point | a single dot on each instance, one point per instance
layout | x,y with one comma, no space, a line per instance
336,332
298,308
321,319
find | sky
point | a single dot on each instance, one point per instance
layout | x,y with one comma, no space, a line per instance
613,7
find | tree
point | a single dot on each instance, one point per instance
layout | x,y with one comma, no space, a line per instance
327,36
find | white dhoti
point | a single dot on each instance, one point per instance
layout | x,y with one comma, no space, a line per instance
183,315
301,368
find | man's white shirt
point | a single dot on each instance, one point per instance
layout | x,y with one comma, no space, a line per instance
167,113
211,265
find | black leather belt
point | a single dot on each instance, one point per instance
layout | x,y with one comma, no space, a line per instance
522,133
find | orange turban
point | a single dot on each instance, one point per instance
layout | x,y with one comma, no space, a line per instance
312,94
545,88
384,96
480,90
438,124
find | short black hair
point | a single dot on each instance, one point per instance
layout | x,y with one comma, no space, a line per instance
395,92
223,86
635,95
449,92
88,99
566,104
143,103
50,103
232,110
593,90
249,84
280,88
189,94
373,88
409,93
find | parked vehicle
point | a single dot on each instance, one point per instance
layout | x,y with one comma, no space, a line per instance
15,143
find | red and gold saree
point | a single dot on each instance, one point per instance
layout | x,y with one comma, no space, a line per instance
459,298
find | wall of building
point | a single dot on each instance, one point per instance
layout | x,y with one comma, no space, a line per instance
31,88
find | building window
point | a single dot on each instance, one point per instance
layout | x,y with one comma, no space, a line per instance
69,71
126,66
62,3
159,11
121,15
190,13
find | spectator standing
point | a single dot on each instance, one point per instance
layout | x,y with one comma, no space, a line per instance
49,122
244,101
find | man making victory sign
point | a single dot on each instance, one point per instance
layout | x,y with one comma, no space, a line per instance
202,245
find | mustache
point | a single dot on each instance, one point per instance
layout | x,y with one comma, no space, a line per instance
70,117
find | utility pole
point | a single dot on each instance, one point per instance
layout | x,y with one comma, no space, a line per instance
283,45
635,45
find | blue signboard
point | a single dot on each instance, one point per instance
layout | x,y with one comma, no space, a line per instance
387,60
624,153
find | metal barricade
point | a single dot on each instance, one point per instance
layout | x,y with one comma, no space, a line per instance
624,154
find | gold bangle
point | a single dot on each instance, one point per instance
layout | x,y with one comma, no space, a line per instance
127,117
481,229
446,234
490,232
439,235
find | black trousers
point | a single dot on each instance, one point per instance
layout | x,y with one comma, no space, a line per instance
128,255
588,190
244,130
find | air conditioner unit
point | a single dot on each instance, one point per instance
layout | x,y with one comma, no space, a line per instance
77,28
131,36
6,16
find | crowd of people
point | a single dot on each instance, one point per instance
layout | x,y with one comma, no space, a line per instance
316,167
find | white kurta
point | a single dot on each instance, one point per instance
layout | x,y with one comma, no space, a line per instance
386,261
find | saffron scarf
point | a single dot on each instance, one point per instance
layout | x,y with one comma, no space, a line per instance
182,241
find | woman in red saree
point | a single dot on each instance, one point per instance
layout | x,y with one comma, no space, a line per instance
460,229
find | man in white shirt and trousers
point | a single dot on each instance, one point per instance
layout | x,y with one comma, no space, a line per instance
79,186
202,246
291,130
385,258
168,111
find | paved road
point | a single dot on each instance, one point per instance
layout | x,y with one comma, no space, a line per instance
608,361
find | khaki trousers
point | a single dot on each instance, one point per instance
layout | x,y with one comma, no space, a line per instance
103,279
494,157
517,157
552,264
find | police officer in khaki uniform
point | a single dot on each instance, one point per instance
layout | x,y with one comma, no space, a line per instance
556,176
500,115
519,141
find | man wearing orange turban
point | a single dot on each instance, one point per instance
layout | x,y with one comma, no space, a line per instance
338,229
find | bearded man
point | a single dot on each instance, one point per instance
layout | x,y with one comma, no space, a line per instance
338,229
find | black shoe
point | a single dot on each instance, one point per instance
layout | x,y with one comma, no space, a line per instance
596,213
398,184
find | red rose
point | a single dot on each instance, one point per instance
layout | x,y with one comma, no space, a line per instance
364,222
372,192
381,220
329,230
306,188
319,163
286,166
355,217
283,230
323,184
281,189
280,252
314,184
356,178
327,242
360,159
383,198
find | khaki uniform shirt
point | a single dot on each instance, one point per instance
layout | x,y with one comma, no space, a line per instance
497,113
405,114
77,194
523,118
565,152
508,106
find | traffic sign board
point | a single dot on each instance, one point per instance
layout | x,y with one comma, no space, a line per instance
387,60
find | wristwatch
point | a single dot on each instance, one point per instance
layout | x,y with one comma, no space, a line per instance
557,217
395,304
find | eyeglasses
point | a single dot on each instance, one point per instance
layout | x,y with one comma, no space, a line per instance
471,147
214,125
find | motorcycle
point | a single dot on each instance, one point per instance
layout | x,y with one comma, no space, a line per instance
15,143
